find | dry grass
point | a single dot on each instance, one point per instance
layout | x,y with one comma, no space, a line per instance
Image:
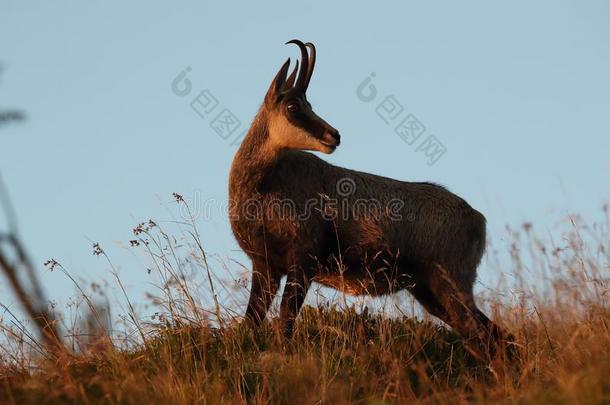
556,304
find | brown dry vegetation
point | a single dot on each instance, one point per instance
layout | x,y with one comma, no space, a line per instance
555,303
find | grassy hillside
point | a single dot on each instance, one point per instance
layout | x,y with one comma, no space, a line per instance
336,357
557,307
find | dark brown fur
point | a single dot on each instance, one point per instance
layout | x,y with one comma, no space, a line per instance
432,249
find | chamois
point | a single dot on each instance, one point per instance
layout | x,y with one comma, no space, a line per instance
296,215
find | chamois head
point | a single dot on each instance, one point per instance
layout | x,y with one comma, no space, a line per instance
292,124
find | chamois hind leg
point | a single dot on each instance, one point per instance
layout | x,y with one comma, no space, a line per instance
263,289
500,339
452,301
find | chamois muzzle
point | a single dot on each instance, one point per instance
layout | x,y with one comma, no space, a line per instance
331,138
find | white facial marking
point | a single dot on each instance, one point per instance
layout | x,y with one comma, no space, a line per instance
284,135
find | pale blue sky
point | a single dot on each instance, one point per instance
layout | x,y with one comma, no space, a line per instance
519,93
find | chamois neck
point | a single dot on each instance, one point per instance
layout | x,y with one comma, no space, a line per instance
255,157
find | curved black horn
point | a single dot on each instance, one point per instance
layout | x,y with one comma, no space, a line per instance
300,84
312,62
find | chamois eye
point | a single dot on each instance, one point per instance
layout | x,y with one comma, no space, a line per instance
292,107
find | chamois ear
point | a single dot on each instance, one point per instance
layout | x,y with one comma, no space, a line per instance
290,81
278,83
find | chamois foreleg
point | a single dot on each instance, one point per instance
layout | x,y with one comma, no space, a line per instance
297,284
264,287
